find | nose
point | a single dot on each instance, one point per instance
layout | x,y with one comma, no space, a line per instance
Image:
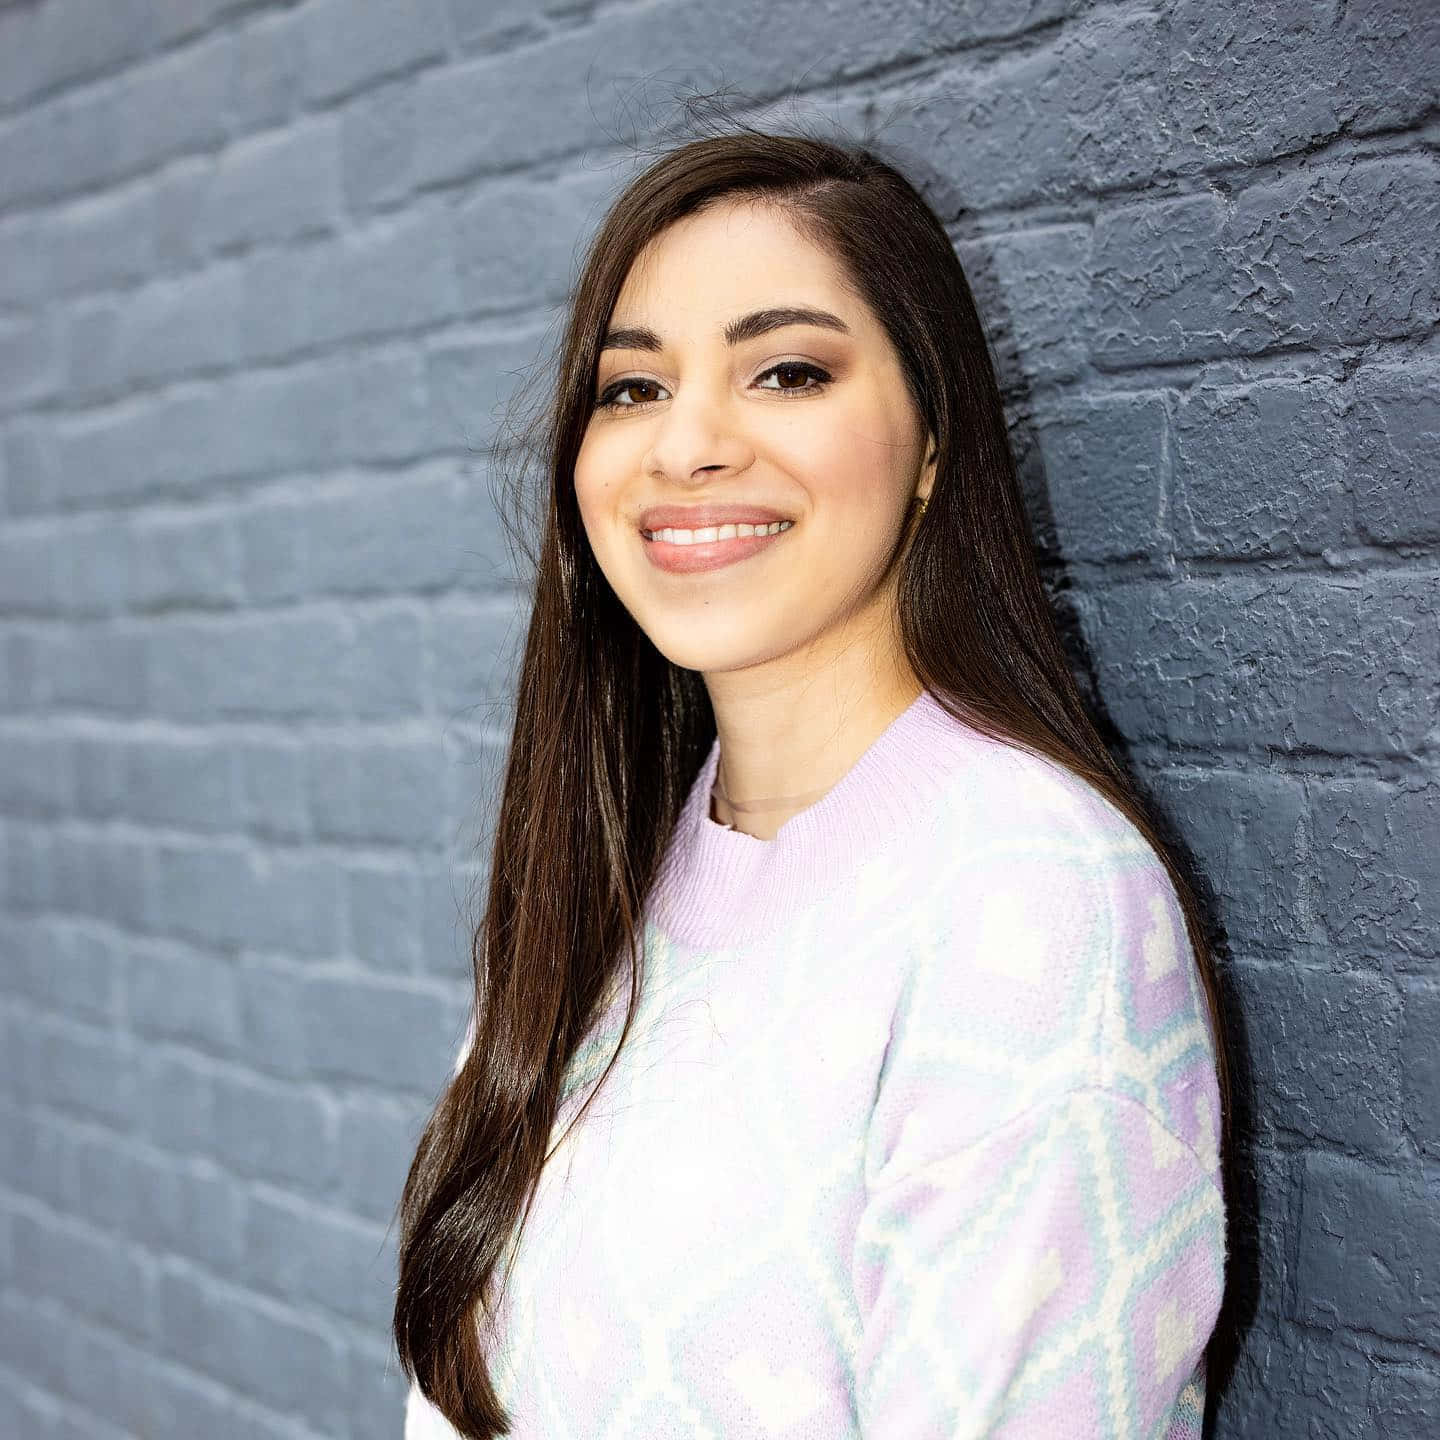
695,435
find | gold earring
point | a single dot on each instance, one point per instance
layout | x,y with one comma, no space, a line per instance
924,501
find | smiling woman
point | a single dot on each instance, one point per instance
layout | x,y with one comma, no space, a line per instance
846,1057
714,309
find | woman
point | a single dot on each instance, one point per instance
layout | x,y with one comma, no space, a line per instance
843,1060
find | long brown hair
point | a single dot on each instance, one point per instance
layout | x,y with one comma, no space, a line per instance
608,735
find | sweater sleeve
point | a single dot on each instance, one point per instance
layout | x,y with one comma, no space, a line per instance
1060,1276
1041,1249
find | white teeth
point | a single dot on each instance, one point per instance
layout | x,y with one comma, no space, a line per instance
716,532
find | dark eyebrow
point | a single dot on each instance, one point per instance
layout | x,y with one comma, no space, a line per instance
747,327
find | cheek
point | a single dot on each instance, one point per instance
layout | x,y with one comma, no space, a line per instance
852,480
593,488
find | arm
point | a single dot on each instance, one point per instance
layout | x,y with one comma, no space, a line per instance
1059,1276
1042,1246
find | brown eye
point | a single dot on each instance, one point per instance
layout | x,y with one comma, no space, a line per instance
796,368
607,397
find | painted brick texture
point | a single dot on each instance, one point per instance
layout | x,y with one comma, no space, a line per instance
269,270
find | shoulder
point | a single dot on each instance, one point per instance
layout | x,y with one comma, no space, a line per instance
997,797
1057,951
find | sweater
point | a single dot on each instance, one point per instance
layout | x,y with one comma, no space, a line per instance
915,1136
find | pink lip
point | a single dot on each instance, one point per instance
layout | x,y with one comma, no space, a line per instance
709,555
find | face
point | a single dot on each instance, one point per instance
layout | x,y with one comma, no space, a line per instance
806,420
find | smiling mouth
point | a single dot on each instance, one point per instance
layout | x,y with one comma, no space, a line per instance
690,552
673,535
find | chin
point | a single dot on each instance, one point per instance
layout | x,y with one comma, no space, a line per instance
688,646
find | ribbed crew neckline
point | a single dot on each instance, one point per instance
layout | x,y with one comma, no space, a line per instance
717,884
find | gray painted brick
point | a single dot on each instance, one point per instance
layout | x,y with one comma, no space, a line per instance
176,1104
98,1178
266,65
1377,874
33,1336
190,1208
1392,425
1291,1379
26,260
221,894
410,535
86,1270
1195,278
183,996
29,574
65,41
85,1072
274,1026
1076,112
172,106
284,1360
516,244
273,795
277,186
1329,1065
1101,469
386,912
97,668
169,329
1230,441
33,874
1420,1064
41,782
379,792
468,383
66,968
1335,665
480,117
1260,1270
312,1257
186,782
183,561
100,792
103,875
31,360
268,275
30,471
1235,96
491,24
1033,289
1364,1235
103,242
447,915
95,566
377,1139
378,148
395,275
476,649
178,196
1404,1401
385,413
344,47
270,1131
285,666
371,1031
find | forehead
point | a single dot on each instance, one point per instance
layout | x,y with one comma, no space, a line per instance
705,269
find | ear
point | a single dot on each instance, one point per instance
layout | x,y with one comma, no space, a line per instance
932,460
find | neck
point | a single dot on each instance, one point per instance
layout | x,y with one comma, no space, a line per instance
717,885
786,754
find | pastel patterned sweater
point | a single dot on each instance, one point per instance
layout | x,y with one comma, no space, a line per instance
916,1137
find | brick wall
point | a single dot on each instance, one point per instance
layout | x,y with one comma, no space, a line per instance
267,272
